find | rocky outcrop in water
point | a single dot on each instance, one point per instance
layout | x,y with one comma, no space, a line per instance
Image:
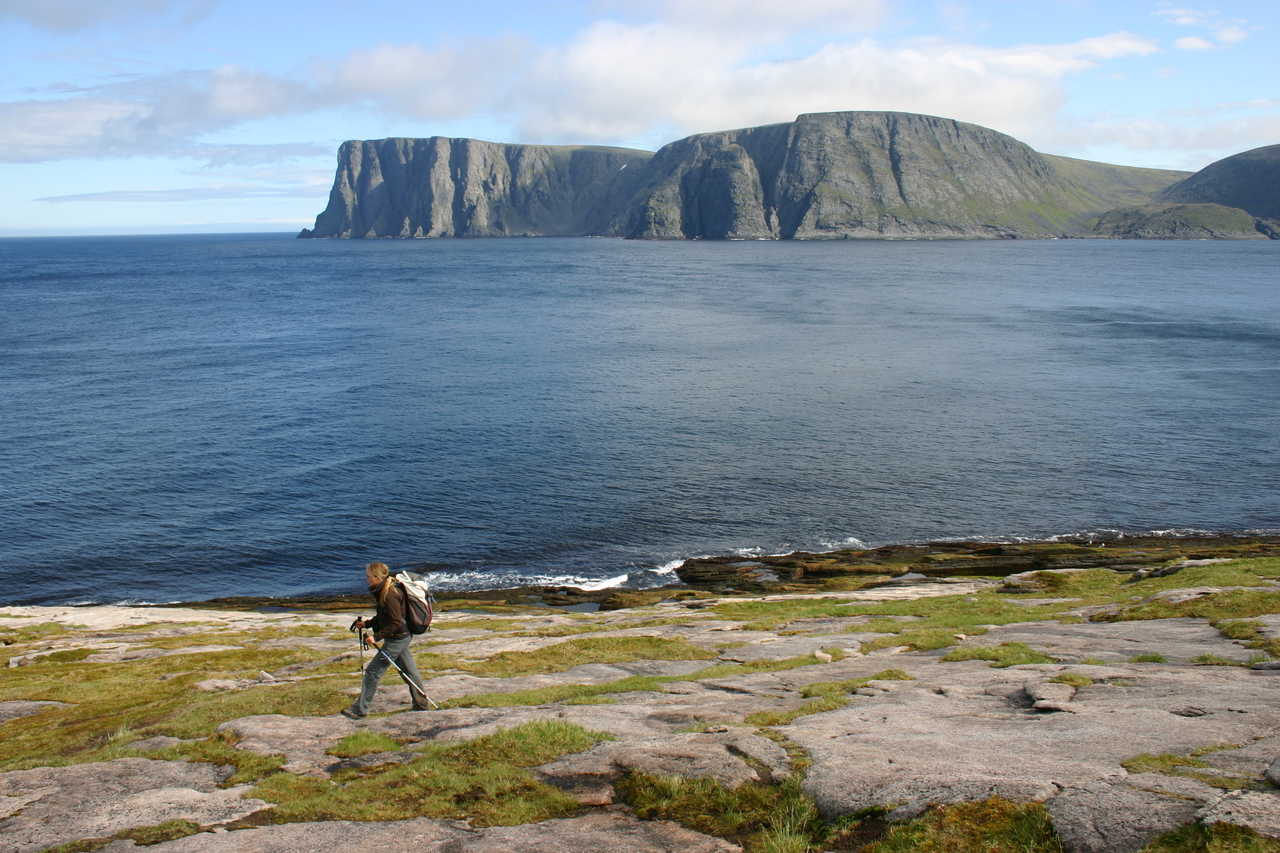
823,176
1181,222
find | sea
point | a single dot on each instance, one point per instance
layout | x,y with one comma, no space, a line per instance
190,417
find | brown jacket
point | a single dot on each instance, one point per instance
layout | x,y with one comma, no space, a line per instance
389,622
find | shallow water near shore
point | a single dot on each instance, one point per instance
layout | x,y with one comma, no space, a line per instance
192,417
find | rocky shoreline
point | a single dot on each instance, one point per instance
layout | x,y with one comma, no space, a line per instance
1078,696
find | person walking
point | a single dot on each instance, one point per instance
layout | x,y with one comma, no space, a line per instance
390,627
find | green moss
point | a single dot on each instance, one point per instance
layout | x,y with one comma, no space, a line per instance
1216,660
485,781
918,639
559,693
632,684
220,748
782,718
1005,654
143,835
567,655
838,688
32,633
147,697
759,816
994,825
1213,838
1075,679
1149,658
1189,766
1228,604
363,743
65,656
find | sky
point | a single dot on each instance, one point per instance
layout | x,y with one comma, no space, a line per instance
163,116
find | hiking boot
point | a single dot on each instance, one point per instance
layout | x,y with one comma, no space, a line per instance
351,714
421,708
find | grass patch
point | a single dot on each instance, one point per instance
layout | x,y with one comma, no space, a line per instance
1149,658
1003,655
485,781
824,696
220,749
1075,679
113,704
1227,605
777,818
632,684
1189,766
1216,660
1215,838
143,835
837,688
782,718
567,655
994,825
363,743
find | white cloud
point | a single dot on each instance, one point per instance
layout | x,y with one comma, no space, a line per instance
1231,34
1194,142
1184,17
766,19
69,15
152,115
614,82
408,79
1193,43
185,194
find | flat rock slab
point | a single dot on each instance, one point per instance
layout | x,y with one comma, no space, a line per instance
106,617
964,731
142,653
1256,810
606,831
393,694
1179,640
304,741
1122,814
47,806
721,756
790,647
16,708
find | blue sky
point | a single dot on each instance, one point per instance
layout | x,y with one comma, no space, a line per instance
137,116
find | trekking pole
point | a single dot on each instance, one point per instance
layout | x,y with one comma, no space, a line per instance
413,684
362,639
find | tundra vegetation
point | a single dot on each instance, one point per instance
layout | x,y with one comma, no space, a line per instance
527,686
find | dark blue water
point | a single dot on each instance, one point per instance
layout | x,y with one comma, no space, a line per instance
188,417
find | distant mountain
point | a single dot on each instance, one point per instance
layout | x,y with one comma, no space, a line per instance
1249,180
823,176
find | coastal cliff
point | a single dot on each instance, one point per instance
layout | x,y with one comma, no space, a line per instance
870,175
832,175
441,187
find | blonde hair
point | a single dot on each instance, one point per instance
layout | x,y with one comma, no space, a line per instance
380,574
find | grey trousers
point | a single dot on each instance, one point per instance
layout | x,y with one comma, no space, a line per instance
398,651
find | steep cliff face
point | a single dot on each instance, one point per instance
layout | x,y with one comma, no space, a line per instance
823,176
865,174
441,187
1249,180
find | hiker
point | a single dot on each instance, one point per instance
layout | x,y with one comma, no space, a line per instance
390,627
